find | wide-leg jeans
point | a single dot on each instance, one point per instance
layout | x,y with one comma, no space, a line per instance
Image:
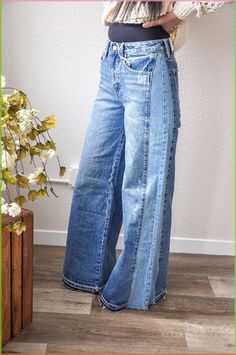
126,178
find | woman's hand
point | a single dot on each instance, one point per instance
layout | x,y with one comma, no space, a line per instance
167,21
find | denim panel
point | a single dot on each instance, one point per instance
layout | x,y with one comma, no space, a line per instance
126,175
96,216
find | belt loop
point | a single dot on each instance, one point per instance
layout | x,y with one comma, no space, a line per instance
167,46
121,48
171,45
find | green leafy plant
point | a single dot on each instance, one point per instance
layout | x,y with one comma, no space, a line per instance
24,135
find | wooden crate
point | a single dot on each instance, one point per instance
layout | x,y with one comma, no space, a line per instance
17,276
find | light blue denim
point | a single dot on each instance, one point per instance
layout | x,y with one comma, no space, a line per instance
126,175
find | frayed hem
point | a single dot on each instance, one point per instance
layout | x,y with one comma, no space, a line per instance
80,287
110,306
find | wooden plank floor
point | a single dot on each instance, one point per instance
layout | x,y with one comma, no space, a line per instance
197,315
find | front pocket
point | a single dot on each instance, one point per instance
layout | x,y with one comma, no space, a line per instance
140,63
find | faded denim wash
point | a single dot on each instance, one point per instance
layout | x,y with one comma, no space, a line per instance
126,175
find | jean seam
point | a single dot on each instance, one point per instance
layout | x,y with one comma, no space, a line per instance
150,255
110,69
149,251
164,204
145,162
171,156
115,166
175,95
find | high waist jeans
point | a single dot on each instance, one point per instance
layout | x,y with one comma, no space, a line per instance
126,176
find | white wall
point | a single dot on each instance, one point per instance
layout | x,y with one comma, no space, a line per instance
51,50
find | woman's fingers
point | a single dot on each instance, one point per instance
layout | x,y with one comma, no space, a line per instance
151,23
167,21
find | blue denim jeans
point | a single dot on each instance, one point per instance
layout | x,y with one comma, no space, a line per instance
126,177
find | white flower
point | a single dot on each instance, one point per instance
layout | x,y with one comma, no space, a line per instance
14,209
25,120
25,127
32,177
47,154
43,156
3,81
4,208
51,153
17,144
24,114
8,160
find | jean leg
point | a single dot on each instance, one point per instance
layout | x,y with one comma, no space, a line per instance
96,210
150,126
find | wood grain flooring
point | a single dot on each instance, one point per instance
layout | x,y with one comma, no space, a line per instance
197,315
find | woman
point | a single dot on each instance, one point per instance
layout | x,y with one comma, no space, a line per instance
127,168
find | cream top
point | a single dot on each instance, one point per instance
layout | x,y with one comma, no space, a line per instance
182,9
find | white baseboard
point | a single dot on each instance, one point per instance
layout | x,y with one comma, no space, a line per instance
177,245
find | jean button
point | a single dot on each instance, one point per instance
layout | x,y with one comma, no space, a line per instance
114,48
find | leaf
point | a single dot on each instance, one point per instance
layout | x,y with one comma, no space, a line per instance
12,99
51,144
41,146
41,178
41,128
19,227
22,180
17,101
32,134
32,195
8,177
8,144
21,153
42,192
15,128
49,122
6,118
34,150
22,99
20,200
62,170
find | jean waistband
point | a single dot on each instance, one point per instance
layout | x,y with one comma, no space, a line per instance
127,32
140,46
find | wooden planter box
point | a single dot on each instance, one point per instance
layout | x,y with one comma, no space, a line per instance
17,276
